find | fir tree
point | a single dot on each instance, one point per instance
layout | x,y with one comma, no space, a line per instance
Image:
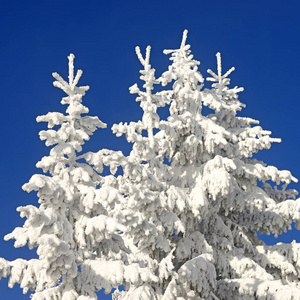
71,228
198,216
181,221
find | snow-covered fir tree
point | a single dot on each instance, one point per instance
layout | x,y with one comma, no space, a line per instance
181,221
76,239
196,198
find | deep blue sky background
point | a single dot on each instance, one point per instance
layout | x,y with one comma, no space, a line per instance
260,38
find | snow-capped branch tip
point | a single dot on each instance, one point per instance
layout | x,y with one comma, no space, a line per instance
183,45
69,87
144,62
73,81
184,37
219,64
219,69
71,68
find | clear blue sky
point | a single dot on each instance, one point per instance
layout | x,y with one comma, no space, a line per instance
260,38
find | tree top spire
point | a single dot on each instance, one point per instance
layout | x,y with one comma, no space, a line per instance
70,88
184,37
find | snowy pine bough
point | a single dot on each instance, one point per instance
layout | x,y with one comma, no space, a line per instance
182,219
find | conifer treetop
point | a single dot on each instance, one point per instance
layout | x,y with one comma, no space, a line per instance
70,88
222,81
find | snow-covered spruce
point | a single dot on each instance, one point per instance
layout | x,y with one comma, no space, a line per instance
78,248
181,221
195,197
